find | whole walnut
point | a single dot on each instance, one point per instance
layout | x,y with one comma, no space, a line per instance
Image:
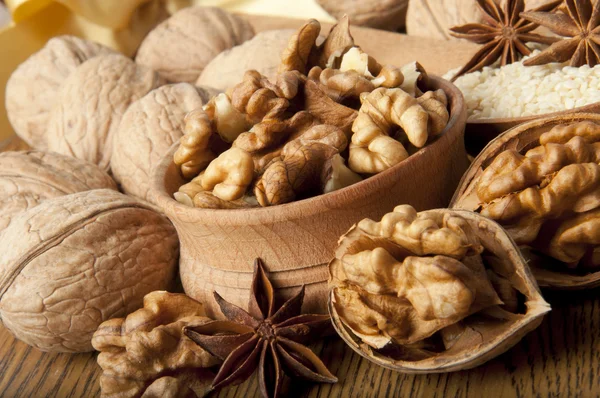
90,105
75,261
262,53
32,89
434,18
180,47
148,129
31,177
387,14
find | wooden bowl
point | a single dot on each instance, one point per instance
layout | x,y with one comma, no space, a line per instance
297,240
522,138
479,133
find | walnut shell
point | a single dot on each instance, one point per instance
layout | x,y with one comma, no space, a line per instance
32,89
434,18
29,178
91,103
75,261
445,344
387,14
180,47
261,53
555,185
148,129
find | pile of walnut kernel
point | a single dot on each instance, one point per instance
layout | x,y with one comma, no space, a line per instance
330,118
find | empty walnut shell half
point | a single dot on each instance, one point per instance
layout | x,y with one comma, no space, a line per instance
73,262
436,291
541,182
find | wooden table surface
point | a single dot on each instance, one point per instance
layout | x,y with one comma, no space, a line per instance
560,358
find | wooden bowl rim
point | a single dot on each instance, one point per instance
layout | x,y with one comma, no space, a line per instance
313,205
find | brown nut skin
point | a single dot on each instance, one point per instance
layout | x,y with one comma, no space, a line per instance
90,105
261,53
146,354
555,181
481,341
33,88
75,261
29,178
180,47
148,129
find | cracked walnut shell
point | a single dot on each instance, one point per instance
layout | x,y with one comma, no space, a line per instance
146,354
180,47
75,261
28,178
541,182
436,291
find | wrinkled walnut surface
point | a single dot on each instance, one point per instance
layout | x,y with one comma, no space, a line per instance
75,261
33,88
261,53
180,47
545,192
148,129
387,14
432,291
28,178
146,354
90,105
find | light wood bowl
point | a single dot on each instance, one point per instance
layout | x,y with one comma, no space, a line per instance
297,240
479,133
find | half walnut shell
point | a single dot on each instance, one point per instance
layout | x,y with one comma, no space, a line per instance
436,291
541,182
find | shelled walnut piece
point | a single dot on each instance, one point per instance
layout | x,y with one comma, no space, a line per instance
547,197
272,141
435,291
146,354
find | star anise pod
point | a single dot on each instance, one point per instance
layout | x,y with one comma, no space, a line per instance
263,338
503,34
579,22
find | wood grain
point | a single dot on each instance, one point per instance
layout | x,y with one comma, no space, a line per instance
559,359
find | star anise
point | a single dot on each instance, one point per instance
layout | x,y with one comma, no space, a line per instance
503,34
263,338
579,22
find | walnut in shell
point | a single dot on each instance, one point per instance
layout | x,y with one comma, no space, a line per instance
387,14
261,53
32,89
148,129
436,291
146,354
541,181
29,178
75,261
91,103
180,47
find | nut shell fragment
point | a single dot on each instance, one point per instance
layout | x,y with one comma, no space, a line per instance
75,261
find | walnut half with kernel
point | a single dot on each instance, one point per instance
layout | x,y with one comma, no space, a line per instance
436,291
541,182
